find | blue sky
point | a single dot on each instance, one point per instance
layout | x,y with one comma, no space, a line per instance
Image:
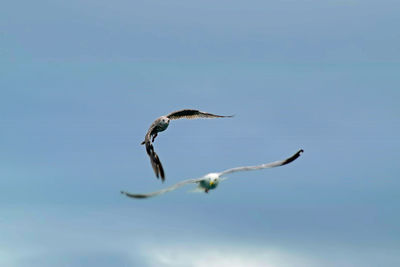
81,82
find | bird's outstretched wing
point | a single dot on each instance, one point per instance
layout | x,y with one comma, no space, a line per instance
263,166
192,114
155,161
162,191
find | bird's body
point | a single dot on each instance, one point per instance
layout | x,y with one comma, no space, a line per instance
160,125
211,180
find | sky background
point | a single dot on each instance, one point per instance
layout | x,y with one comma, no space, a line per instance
81,82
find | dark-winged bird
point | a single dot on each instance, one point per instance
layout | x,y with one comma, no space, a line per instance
161,124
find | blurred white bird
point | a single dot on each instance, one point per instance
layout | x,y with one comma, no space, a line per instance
210,181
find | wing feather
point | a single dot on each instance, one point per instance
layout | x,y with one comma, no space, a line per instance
192,114
162,191
263,166
155,161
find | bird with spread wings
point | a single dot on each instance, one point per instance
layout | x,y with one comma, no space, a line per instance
161,124
211,180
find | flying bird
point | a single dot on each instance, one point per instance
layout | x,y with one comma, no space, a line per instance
161,124
210,181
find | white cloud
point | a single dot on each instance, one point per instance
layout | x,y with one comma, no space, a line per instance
49,237
224,255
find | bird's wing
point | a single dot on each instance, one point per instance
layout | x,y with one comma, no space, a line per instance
192,114
162,191
155,161
263,166
147,138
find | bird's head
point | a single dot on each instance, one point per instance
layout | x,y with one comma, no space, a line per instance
164,120
213,179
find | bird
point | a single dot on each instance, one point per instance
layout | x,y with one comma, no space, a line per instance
161,124
211,180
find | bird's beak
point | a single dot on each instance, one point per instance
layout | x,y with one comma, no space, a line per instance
211,183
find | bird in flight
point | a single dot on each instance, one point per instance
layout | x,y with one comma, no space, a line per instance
210,181
161,124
